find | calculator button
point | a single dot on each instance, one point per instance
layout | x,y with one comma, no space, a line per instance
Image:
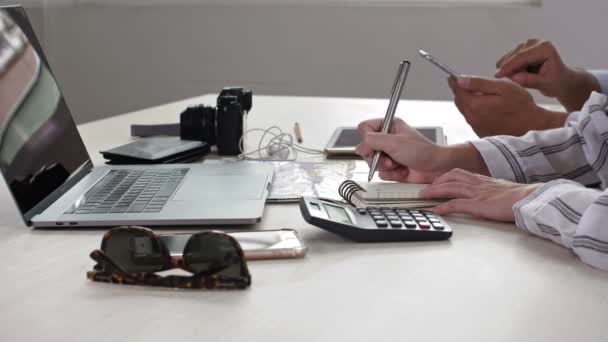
405,216
395,223
434,220
438,226
424,225
392,217
372,208
361,211
382,224
378,217
410,224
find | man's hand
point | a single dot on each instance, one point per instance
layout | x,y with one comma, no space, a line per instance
499,107
409,157
477,195
537,64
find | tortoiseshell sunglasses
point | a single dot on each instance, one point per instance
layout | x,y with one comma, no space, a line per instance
133,255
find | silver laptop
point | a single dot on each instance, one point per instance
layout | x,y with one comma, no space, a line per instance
54,183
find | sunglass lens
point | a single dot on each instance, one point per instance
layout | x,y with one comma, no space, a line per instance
135,251
214,253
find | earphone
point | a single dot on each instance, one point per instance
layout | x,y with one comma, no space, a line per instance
274,145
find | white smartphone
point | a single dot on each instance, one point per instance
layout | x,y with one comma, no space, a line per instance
256,244
441,66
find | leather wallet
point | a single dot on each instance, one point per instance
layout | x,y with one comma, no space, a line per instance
157,150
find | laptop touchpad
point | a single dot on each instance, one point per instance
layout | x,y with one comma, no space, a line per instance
221,187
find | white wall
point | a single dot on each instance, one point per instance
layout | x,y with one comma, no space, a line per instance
115,58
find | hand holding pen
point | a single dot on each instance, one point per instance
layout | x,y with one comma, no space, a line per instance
397,89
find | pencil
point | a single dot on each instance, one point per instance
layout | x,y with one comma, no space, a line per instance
298,132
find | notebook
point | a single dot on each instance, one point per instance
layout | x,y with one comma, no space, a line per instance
384,194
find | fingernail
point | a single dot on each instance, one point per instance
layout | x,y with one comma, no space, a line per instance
464,82
498,73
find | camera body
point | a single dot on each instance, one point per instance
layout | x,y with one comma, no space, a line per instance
222,125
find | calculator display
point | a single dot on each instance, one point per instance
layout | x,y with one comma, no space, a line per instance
337,213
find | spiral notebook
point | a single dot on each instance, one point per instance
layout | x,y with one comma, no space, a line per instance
381,194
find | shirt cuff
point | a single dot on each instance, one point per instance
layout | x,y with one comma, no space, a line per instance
572,119
602,78
497,164
527,211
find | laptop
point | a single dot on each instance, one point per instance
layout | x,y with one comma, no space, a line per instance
54,183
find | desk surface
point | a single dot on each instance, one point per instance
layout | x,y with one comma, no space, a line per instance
490,282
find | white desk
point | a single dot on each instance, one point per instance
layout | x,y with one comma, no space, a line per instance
490,282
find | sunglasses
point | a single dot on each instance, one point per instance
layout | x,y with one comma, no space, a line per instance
134,255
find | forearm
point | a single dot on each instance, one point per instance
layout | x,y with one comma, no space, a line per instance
580,85
547,119
461,156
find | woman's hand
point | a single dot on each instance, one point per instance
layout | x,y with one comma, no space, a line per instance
477,195
409,157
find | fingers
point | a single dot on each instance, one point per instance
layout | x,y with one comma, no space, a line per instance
534,55
367,126
375,125
474,104
508,55
387,143
457,175
453,189
457,206
527,80
481,85
530,42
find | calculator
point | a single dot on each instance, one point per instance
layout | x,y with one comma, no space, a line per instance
374,224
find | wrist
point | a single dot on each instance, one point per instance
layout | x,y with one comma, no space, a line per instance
547,119
461,156
579,85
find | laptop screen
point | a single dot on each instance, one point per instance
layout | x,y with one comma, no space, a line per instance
40,148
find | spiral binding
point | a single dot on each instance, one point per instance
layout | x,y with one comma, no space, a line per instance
348,189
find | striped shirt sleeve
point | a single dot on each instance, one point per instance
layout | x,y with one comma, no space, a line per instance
568,160
571,215
578,152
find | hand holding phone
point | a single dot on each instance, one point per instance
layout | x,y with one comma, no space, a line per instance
441,66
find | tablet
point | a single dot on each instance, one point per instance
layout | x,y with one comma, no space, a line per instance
344,140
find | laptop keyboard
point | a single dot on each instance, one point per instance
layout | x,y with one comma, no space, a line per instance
130,191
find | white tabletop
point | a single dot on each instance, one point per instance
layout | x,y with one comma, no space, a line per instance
490,282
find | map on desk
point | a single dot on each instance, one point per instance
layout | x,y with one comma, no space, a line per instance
292,180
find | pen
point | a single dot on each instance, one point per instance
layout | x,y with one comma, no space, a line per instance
404,68
298,131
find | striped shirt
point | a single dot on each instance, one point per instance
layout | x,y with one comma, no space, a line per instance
571,208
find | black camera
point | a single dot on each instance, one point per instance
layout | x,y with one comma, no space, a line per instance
222,125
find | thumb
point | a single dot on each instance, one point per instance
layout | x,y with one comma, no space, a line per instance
455,206
527,80
480,85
